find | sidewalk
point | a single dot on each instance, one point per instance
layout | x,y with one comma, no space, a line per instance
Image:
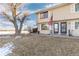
58,36
65,36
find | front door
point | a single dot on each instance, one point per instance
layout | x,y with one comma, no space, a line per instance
56,28
63,27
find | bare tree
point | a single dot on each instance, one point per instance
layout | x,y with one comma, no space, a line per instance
13,14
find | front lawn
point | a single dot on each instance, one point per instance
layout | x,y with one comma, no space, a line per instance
38,45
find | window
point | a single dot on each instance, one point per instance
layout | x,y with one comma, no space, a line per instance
56,27
76,25
44,27
44,15
77,7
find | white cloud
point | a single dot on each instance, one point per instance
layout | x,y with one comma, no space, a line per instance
31,11
1,8
49,5
5,24
34,11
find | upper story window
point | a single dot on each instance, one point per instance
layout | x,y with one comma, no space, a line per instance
44,15
77,7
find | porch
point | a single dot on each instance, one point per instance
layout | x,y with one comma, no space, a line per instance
66,28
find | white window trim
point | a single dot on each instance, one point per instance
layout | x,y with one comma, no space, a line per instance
74,8
44,17
45,25
75,25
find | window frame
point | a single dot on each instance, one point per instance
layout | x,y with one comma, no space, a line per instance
55,28
75,8
44,24
44,15
77,25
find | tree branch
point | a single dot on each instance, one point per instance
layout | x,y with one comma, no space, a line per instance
8,17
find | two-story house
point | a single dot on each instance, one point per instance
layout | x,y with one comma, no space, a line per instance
65,19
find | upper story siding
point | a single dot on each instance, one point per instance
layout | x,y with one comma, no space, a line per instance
65,12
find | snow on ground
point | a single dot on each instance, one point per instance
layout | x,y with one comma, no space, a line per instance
11,32
6,49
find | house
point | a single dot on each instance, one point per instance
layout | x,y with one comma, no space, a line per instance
65,19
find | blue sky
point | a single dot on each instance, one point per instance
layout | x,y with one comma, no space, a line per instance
32,7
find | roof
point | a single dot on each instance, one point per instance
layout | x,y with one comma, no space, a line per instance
53,7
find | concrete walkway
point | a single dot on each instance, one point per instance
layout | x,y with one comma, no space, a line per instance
65,36
58,36
55,36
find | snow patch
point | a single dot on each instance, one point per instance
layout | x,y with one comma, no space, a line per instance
6,49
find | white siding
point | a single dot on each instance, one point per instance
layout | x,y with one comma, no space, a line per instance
75,32
71,26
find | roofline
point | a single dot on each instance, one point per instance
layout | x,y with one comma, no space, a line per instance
53,7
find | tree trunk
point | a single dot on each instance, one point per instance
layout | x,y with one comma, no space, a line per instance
16,32
16,26
20,29
16,29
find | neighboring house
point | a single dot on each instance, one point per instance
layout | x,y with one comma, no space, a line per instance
65,19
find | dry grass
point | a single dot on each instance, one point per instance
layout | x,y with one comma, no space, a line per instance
36,45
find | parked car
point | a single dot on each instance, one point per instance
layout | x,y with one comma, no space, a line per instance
34,30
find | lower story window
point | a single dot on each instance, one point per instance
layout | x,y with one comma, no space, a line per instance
76,25
56,27
44,27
